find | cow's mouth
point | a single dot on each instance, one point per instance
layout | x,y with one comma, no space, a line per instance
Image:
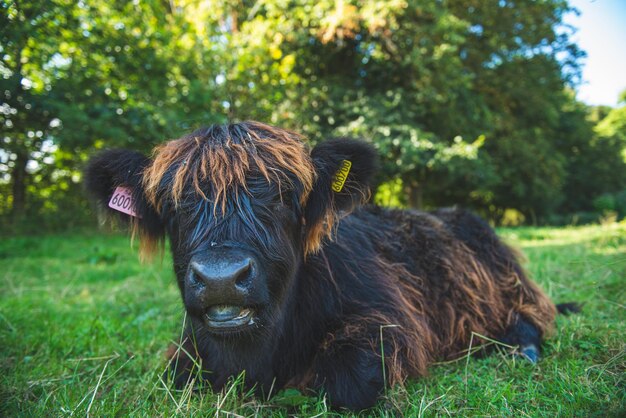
228,317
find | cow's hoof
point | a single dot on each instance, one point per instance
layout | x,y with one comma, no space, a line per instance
530,352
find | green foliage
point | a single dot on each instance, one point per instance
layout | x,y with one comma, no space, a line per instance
604,203
84,327
613,129
611,202
593,158
78,76
468,102
388,194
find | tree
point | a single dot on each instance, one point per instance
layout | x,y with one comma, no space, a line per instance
27,113
413,77
593,161
466,100
78,76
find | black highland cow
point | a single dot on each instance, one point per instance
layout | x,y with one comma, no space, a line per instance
285,276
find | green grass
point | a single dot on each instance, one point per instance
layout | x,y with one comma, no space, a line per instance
84,328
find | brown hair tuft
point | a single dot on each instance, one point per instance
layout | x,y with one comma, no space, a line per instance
222,156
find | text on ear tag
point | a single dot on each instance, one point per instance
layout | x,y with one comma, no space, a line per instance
122,201
341,176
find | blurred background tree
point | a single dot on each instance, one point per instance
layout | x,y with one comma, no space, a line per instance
468,101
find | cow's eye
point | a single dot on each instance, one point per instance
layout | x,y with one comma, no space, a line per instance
280,206
282,203
287,200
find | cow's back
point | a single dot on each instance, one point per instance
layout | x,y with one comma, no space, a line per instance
460,277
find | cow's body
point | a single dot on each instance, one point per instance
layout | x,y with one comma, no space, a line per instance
288,286
424,282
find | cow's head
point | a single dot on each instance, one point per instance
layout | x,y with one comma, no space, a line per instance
242,204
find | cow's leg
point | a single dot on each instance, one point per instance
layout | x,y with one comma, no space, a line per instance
350,374
525,335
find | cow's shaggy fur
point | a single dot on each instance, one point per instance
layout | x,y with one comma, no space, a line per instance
360,296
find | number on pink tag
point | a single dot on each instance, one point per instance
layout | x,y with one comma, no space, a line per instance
122,201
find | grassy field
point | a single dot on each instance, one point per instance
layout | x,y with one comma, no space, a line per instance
84,328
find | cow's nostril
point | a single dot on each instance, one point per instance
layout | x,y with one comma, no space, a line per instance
198,276
194,279
243,275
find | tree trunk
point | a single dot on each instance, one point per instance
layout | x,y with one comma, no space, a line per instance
18,175
533,216
234,17
416,198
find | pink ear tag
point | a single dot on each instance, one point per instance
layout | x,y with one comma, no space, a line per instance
122,201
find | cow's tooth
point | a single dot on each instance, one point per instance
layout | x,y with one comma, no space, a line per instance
244,312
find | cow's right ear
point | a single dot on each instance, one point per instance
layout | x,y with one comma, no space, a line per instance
111,170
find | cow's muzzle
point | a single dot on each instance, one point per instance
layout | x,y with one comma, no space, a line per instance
224,287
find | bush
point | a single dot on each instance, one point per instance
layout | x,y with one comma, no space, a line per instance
611,202
620,203
604,203
576,218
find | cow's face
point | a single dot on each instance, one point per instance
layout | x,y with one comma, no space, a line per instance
243,205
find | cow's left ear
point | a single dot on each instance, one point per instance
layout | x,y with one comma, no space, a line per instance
345,171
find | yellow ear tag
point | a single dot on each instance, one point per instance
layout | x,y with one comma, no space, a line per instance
341,176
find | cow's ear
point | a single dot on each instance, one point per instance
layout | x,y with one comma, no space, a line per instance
119,173
345,171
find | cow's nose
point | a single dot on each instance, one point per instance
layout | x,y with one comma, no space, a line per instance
222,274
224,277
